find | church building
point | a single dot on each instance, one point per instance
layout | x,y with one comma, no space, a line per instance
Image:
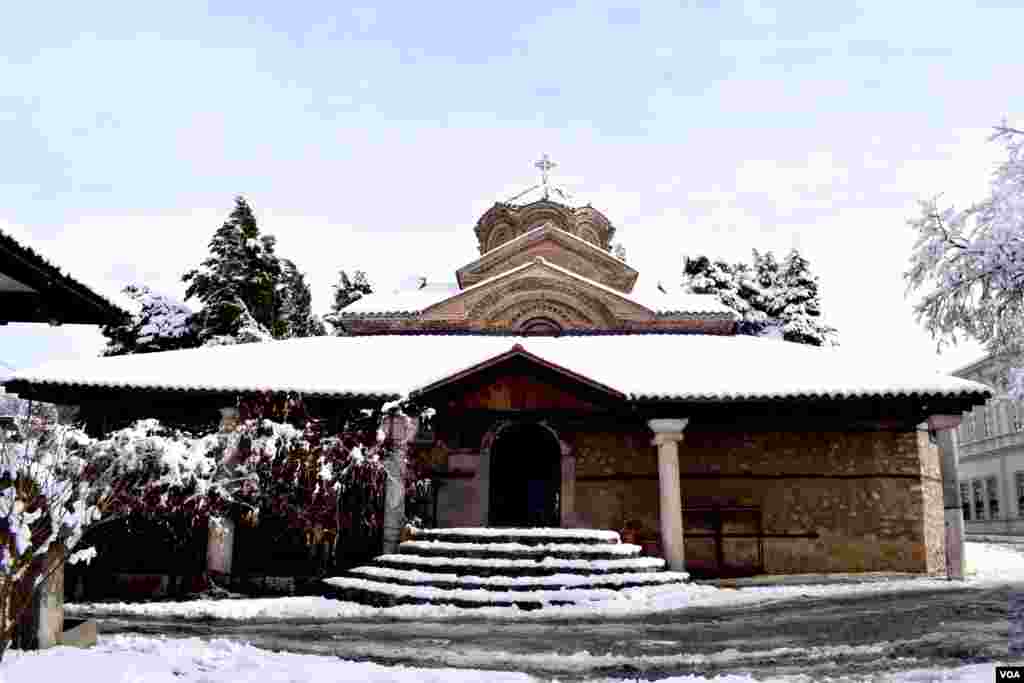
572,392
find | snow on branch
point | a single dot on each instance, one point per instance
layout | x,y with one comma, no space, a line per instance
969,263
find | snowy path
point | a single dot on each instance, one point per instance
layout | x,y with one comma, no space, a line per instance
138,659
868,629
868,634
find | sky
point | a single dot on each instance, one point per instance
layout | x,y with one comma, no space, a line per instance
374,137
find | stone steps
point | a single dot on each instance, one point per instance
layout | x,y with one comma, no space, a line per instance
521,536
525,568
610,581
519,567
486,551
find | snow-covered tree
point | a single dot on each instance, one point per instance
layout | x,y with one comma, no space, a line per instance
295,318
797,305
770,297
248,293
159,323
346,292
970,264
236,283
44,507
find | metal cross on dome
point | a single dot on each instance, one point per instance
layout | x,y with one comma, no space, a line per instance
545,165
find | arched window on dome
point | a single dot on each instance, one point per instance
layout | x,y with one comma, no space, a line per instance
540,327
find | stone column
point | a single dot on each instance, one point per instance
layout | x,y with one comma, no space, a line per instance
667,435
943,426
228,419
220,531
400,431
1002,417
42,623
220,546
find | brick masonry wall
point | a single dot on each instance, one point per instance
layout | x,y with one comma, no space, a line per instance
873,499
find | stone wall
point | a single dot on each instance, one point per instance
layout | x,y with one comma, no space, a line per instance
826,501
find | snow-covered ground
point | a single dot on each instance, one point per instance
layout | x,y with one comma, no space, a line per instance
139,659
987,564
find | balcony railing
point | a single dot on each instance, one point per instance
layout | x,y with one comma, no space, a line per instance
994,426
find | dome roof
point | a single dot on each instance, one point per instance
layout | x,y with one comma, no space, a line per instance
505,221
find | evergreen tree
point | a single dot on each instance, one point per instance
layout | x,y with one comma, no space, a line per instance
346,292
769,296
295,317
237,282
159,324
798,305
731,283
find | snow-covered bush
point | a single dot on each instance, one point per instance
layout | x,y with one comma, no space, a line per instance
157,323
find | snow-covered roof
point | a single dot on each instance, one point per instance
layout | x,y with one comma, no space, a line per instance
67,299
412,301
401,301
673,300
643,367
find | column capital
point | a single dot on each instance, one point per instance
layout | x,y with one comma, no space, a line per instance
229,418
667,431
940,422
401,429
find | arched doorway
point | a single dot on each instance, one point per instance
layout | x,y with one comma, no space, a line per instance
526,477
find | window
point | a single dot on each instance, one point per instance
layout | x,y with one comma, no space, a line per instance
965,497
1019,476
979,500
540,327
992,486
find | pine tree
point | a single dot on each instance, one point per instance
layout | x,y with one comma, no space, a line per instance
346,292
295,316
237,283
798,305
769,296
731,283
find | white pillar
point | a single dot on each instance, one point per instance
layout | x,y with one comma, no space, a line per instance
943,427
667,435
1002,417
220,546
220,531
400,431
229,419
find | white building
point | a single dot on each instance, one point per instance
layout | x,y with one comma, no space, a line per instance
991,456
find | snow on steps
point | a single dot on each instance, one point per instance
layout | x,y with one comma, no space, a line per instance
528,568
524,536
413,577
523,567
562,551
